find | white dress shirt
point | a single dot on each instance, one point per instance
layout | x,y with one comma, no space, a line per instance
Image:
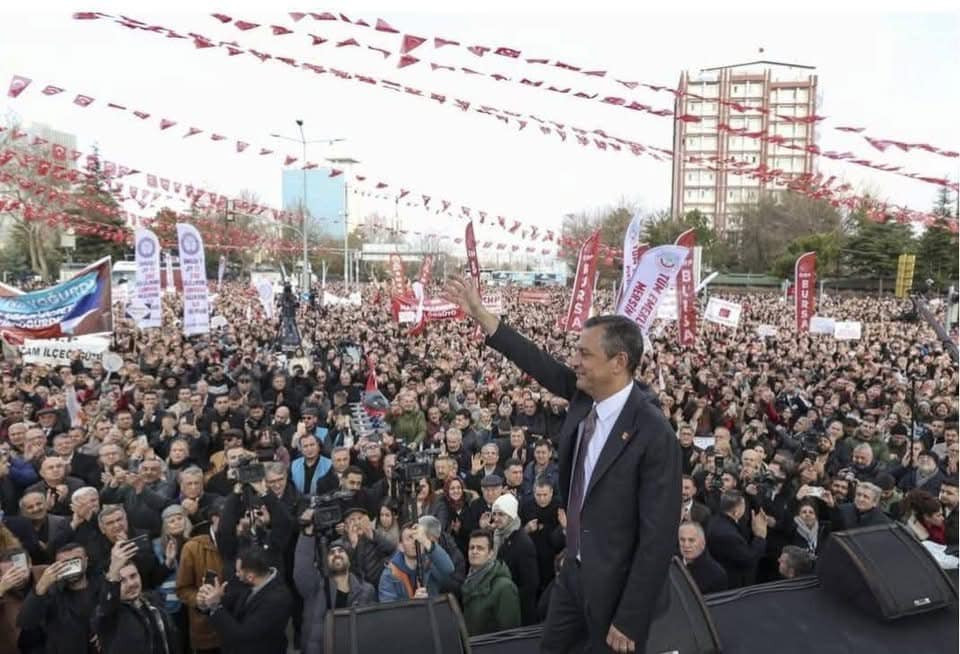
607,413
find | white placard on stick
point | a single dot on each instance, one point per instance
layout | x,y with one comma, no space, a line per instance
848,331
821,325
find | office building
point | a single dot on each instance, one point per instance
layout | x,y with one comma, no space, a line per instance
771,92
326,199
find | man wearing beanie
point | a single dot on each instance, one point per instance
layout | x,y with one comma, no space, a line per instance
516,549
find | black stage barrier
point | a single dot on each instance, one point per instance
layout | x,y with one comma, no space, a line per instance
790,617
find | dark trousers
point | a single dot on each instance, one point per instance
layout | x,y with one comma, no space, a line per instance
568,628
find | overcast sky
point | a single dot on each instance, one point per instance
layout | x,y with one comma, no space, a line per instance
894,73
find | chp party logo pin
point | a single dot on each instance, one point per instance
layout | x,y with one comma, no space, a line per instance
668,260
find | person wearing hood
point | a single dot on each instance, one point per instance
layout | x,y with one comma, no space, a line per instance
515,548
491,601
413,574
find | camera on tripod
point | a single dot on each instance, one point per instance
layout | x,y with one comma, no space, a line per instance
716,484
414,466
248,470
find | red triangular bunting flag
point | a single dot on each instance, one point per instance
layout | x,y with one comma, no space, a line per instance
384,26
51,90
297,16
82,100
223,18
350,42
406,60
265,151
411,42
164,123
241,146
288,160
317,40
280,30
244,25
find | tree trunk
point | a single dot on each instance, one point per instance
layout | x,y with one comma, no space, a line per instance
31,248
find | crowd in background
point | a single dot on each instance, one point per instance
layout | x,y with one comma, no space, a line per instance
130,521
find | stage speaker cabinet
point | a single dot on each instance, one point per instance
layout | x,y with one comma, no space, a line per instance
682,624
425,626
884,571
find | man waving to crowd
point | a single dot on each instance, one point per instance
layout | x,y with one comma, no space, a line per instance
619,470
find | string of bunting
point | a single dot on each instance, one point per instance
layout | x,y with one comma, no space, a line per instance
807,184
410,42
596,137
759,135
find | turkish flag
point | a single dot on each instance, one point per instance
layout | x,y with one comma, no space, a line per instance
507,52
59,152
317,40
265,151
406,60
165,123
350,42
288,160
52,90
241,146
244,25
411,42
223,18
217,137
384,26
297,16
142,115
280,30
478,50
192,131
439,43
82,100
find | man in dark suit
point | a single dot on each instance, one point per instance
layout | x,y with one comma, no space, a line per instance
706,572
864,511
48,527
949,497
727,544
255,619
620,472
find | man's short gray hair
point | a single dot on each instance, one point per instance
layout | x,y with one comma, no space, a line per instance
109,510
192,471
875,490
274,468
431,526
86,490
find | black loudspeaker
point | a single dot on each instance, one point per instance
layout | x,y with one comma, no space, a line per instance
682,624
884,571
427,626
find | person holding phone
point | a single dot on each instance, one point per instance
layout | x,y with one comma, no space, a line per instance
201,564
63,601
16,577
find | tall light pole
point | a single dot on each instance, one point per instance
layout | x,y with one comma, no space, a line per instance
345,161
305,273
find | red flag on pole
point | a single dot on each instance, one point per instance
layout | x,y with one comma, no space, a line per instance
581,298
471,243
426,270
686,293
805,283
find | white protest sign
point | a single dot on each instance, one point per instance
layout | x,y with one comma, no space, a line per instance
848,330
57,352
723,312
217,322
766,330
493,302
112,361
821,325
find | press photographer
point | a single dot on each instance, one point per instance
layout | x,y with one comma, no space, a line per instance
417,570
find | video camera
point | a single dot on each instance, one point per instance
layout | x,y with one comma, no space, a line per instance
328,510
766,484
716,484
414,466
248,470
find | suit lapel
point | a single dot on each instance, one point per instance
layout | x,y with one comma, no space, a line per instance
619,436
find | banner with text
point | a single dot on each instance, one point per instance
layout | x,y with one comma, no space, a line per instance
147,286
723,312
426,270
658,267
59,352
686,293
80,305
470,241
805,282
398,284
581,299
850,330
534,296
193,270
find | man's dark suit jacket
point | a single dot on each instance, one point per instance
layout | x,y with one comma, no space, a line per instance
709,575
256,625
629,519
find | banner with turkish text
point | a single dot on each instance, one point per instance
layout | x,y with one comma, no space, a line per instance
193,270
686,293
581,298
426,270
805,284
78,306
658,267
60,352
147,283
534,296
396,272
169,283
471,242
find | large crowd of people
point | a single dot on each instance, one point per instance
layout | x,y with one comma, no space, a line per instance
219,495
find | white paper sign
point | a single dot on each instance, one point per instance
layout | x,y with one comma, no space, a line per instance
265,293
847,331
57,352
193,272
766,330
821,325
653,275
668,305
723,312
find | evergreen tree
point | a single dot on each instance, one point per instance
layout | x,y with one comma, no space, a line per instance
93,202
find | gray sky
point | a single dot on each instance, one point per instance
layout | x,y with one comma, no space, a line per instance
893,73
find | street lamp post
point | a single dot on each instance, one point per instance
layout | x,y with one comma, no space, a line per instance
345,161
305,273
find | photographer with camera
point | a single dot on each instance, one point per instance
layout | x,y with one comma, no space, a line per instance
727,544
416,570
62,602
323,585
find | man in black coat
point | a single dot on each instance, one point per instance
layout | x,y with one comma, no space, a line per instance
515,548
949,498
709,575
253,620
622,486
727,544
864,511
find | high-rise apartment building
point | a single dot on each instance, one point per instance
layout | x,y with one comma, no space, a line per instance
773,93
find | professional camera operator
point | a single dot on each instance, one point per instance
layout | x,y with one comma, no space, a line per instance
416,570
323,586
253,517
63,601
